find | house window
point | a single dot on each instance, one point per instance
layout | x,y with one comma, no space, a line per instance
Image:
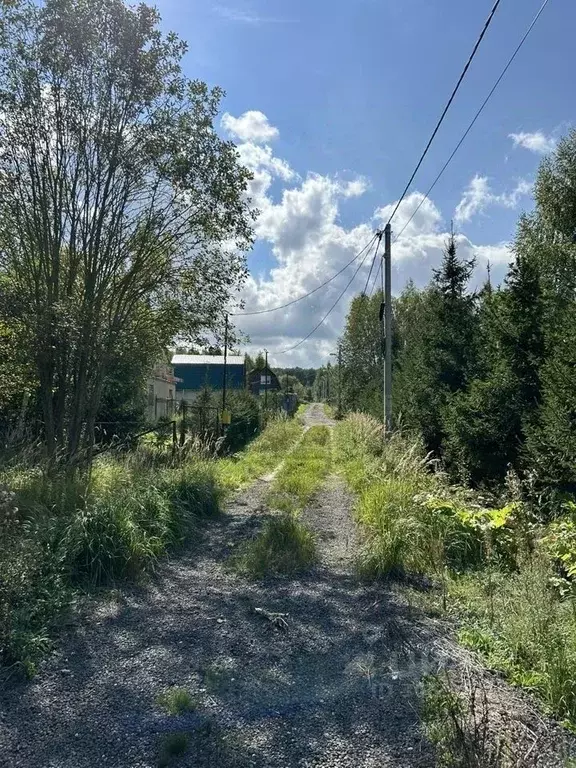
150,394
265,380
170,394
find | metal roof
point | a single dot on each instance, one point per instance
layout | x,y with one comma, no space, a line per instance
207,360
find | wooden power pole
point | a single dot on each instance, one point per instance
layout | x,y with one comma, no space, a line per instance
387,277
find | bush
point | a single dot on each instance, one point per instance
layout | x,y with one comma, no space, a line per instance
246,420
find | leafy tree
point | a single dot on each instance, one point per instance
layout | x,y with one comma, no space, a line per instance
362,354
117,197
292,384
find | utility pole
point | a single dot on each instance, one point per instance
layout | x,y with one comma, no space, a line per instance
339,379
225,377
266,382
387,292
339,356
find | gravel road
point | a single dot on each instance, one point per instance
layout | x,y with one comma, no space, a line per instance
332,687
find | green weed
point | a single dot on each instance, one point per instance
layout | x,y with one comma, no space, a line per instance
458,725
176,701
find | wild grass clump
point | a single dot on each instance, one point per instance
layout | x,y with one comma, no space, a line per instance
176,701
131,518
284,546
173,746
457,722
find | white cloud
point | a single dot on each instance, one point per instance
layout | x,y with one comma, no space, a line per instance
251,126
535,142
308,244
244,16
426,219
478,196
256,157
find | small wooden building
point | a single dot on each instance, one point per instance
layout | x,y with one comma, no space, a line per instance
261,380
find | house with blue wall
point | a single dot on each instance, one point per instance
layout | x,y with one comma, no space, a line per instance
195,372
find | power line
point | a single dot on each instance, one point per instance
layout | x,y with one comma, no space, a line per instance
447,107
305,296
373,262
332,308
375,283
476,116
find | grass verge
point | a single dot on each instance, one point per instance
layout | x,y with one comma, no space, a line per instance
61,534
507,579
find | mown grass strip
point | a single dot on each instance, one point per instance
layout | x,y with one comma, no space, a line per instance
302,472
285,545
261,456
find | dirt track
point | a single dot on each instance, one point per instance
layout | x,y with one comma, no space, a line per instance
334,687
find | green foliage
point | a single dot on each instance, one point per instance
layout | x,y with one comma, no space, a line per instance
64,532
176,701
560,544
246,420
284,546
522,629
109,90
486,379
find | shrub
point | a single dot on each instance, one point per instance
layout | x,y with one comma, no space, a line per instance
246,420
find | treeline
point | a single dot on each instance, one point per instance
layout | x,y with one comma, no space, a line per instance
486,377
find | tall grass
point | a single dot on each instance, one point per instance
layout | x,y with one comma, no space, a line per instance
284,546
67,532
62,533
515,602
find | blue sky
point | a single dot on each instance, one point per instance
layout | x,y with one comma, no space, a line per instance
348,94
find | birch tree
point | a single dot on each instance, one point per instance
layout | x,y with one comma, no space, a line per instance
119,202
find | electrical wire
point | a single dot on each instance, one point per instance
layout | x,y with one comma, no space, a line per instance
332,308
375,283
476,116
447,107
310,293
373,262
